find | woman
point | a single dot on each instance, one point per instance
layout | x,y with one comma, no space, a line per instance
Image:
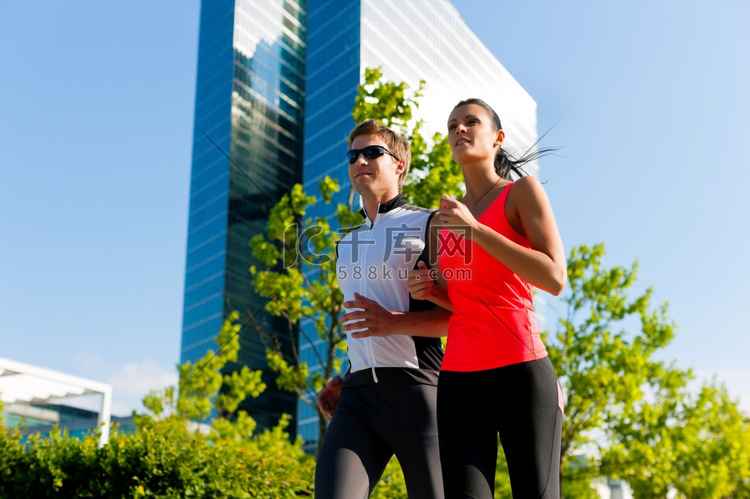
495,244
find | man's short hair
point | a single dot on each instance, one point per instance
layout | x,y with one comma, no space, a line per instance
397,144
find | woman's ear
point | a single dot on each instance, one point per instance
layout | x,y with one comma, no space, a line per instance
500,137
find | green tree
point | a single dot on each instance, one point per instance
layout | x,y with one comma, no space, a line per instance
605,368
713,438
433,172
168,456
225,459
302,284
697,444
203,387
298,251
629,415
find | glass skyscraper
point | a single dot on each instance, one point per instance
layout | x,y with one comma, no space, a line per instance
249,107
277,81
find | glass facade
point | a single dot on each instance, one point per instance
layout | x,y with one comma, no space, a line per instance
332,80
43,418
276,85
250,106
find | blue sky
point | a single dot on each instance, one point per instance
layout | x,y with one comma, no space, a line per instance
649,100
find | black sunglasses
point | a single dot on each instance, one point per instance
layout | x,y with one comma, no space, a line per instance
370,152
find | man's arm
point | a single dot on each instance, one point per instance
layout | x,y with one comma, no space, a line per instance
432,323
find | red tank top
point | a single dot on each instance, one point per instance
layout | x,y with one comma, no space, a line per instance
493,323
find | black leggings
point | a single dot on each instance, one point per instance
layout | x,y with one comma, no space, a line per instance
523,404
372,423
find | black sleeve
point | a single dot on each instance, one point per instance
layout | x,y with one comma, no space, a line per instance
419,305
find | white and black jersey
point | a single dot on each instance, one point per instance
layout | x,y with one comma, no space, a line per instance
373,260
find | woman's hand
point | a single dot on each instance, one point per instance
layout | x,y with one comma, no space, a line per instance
377,320
422,286
455,217
421,282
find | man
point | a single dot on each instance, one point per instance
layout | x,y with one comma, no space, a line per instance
388,396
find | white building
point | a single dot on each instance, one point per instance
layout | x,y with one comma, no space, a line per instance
22,385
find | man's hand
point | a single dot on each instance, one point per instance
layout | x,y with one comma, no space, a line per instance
374,318
328,398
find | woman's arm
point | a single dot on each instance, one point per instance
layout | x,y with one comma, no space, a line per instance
422,286
429,283
543,265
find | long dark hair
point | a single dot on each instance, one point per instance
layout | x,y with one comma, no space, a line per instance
506,165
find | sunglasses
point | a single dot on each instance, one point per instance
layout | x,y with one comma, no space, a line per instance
370,152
